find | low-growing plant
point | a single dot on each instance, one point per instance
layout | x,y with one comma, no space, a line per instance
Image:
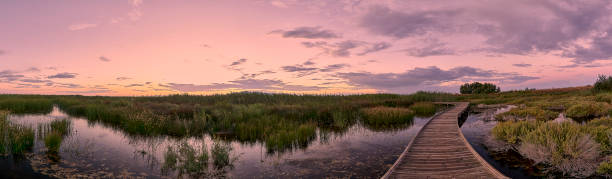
526,113
512,131
588,110
605,168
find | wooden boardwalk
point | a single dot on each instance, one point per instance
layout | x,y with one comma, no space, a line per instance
439,150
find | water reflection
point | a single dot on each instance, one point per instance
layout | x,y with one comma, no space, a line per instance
81,148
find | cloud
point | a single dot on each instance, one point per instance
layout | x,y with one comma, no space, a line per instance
384,21
579,30
9,76
375,47
87,91
238,62
32,69
343,48
436,49
76,27
121,78
521,65
104,59
305,70
428,76
133,85
2,52
63,75
245,84
278,4
308,33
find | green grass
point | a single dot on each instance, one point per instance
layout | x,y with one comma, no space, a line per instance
424,108
585,110
189,161
527,113
14,139
386,118
571,148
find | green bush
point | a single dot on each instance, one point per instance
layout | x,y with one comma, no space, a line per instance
478,88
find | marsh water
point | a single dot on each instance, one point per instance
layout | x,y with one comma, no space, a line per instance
96,150
476,129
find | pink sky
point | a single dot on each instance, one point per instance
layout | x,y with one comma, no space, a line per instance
146,47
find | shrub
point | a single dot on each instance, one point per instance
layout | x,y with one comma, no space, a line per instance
478,88
524,113
603,83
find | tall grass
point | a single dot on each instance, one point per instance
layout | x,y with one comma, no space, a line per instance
387,118
189,161
526,113
571,148
14,139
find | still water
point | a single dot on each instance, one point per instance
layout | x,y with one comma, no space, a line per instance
96,150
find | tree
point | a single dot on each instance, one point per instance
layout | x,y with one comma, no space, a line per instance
478,88
603,83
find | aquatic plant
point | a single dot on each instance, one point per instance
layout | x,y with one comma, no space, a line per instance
189,161
14,139
526,113
25,104
588,110
386,118
424,108
513,131
220,153
563,146
53,142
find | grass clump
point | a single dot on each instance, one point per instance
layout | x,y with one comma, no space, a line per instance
25,104
605,168
527,113
564,146
512,131
54,133
424,108
385,118
14,139
190,161
588,110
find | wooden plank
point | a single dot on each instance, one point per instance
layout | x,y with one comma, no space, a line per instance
439,150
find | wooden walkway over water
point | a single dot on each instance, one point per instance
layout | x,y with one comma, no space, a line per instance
439,150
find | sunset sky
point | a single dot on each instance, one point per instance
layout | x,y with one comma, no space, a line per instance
160,47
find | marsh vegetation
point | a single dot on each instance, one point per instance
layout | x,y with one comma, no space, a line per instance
200,134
